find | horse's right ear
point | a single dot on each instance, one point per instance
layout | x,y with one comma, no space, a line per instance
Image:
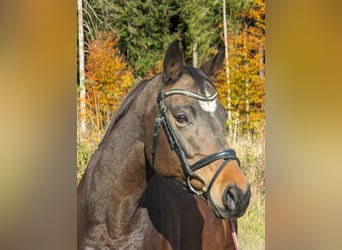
213,66
173,63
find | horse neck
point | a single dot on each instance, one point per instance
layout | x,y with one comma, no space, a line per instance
117,175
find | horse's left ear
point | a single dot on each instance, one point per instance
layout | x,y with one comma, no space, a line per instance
213,66
173,62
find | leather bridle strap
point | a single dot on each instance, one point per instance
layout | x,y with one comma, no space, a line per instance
228,154
188,94
162,119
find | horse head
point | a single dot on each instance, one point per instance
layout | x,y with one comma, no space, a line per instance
188,136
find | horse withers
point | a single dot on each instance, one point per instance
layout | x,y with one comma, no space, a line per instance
165,144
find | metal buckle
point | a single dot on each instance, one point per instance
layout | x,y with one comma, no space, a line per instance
200,179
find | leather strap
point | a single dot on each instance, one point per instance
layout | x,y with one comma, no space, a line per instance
225,154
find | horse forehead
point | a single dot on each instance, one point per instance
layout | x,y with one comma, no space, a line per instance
208,106
193,82
185,82
201,85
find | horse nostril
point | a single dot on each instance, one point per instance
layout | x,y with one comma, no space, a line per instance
230,198
235,200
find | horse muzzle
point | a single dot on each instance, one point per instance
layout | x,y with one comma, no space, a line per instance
228,192
235,202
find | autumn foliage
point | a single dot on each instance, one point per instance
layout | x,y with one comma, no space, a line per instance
108,80
246,73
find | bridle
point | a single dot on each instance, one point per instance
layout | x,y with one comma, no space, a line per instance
189,170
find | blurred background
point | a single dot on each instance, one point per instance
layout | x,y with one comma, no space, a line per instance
40,118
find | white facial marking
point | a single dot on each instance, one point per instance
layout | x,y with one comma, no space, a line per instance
208,106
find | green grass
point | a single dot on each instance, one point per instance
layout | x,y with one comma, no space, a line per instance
251,226
85,149
84,152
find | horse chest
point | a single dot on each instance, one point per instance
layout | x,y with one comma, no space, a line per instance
181,220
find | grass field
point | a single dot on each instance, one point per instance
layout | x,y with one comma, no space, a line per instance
251,226
251,231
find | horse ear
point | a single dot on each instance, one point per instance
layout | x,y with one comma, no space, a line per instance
173,62
213,66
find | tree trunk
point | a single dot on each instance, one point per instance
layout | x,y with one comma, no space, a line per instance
247,92
229,101
194,55
82,94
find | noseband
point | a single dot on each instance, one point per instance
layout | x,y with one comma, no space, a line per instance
189,170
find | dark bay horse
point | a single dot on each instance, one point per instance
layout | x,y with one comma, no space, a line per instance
163,176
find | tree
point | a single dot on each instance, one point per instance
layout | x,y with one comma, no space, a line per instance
199,28
94,21
142,27
226,66
246,67
109,79
82,90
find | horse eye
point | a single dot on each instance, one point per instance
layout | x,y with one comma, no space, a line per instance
182,118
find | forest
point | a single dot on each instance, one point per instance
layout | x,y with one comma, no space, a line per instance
123,42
